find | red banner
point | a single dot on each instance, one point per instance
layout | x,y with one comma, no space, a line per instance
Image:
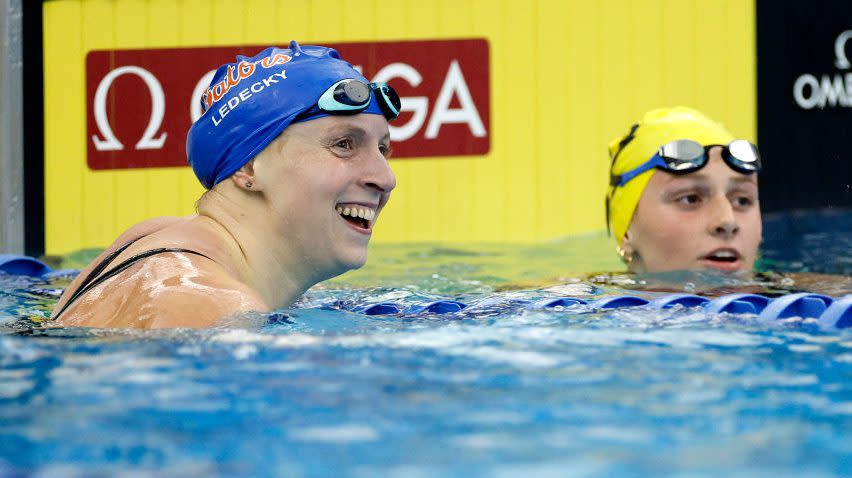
141,103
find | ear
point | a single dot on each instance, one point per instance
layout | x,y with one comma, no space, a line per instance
626,242
630,255
245,179
626,249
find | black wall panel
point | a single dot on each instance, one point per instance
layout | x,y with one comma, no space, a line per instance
33,79
804,103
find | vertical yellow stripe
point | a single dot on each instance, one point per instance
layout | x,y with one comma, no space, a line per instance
131,188
63,127
488,173
98,196
585,115
741,76
517,121
163,192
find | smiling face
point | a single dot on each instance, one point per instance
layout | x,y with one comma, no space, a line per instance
325,182
709,219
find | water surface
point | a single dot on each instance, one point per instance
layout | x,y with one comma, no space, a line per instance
494,390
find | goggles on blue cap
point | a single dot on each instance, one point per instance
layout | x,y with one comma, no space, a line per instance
251,101
351,96
686,156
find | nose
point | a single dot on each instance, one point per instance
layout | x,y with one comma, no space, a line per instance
379,175
723,221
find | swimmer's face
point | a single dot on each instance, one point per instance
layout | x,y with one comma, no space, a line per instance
709,219
326,181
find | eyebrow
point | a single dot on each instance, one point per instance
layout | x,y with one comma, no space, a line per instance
696,177
702,178
748,179
346,128
354,130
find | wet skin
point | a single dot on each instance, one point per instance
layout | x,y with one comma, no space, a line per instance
266,243
709,219
337,161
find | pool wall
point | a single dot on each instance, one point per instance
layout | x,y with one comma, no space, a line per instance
11,113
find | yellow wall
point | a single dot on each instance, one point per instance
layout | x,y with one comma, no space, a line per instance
566,77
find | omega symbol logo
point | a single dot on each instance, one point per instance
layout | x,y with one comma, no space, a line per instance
158,110
812,90
842,60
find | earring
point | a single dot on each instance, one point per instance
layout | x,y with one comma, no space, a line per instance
625,254
249,184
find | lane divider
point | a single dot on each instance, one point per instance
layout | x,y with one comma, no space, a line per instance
831,313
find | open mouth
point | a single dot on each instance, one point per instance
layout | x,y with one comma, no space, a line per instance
724,259
359,216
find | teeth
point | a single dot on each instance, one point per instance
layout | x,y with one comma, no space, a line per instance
724,255
359,212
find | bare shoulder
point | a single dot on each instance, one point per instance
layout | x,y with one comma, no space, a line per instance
136,232
149,226
828,284
172,289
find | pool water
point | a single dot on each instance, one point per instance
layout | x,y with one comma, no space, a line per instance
493,390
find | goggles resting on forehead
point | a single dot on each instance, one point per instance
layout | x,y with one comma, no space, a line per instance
684,156
350,96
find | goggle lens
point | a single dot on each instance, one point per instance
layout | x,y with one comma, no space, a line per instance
352,93
743,156
683,155
350,96
388,100
686,156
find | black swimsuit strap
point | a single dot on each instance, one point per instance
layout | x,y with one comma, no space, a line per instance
90,282
103,265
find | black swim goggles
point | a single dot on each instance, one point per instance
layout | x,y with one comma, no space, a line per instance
351,96
686,156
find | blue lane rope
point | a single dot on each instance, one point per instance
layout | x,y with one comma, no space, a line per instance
17,265
830,313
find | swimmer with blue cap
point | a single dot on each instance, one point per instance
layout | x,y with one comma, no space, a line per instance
292,148
683,195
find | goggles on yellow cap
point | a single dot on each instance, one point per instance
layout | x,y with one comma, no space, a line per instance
685,156
633,156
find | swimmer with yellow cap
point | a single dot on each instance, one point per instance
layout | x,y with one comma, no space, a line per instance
683,195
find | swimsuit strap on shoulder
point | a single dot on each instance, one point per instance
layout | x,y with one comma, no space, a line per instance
91,281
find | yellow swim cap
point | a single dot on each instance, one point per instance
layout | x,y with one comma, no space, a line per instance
657,128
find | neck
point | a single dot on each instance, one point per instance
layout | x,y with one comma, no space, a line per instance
261,258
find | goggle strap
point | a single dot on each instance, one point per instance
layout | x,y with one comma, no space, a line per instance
625,141
608,227
652,163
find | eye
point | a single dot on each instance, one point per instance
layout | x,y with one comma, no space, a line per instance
344,143
386,150
743,201
689,199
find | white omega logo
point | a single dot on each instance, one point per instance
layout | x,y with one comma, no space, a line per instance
842,61
158,110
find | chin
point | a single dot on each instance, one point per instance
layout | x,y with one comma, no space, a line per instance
352,260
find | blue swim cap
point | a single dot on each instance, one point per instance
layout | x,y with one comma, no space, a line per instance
251,101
